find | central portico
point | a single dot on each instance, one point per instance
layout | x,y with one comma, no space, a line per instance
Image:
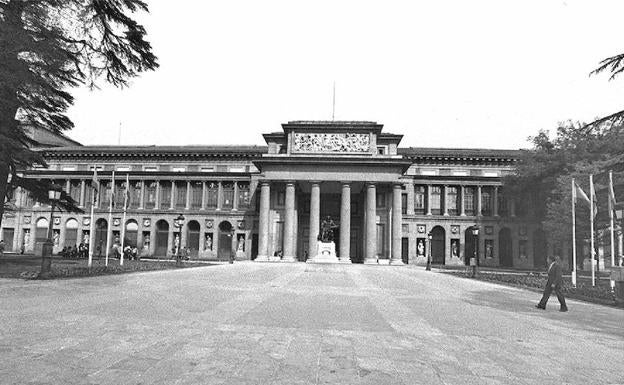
343,170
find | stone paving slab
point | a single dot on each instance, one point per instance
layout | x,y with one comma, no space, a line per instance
260,323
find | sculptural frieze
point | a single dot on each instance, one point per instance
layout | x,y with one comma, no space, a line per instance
331,142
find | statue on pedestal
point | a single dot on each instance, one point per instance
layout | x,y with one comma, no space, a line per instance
327,230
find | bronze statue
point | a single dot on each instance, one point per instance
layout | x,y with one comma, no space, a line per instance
327,230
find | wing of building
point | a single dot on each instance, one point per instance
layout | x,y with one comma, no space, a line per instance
318,190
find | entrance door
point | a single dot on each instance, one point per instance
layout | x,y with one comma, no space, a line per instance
504,248
101,226
225,241
71,233
132,233
192,238
437,245
7,237
469,242
405,250
162,238
254,246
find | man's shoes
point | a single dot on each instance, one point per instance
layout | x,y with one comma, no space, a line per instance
563,309
540,306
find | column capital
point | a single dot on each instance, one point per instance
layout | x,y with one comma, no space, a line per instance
345,183
397,185
264,182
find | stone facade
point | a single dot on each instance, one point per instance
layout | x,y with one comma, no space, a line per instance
267,202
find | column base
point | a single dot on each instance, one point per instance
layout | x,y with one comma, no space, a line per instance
262,258
397,262
370,261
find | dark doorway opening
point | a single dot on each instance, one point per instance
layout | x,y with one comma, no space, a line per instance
225,241
101,228
405,250
192,238
437,245
162,238
469,246
505,250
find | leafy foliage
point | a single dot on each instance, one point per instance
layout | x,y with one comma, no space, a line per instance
48,47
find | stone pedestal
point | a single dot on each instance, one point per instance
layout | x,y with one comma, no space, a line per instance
326,254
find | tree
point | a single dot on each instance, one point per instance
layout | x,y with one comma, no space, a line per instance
48,47
543,175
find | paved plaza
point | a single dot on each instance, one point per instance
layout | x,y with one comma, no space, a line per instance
264,323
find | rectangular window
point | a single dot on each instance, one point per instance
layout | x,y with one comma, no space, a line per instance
135,194
486,201
165,195
120,194
243,195
403,204
212,195
228,195
451,200
196,195
419,199
281,198
150,168
122,168
381,200
69,168
237,168
178,169
381,236
502,204
436,200
88,196
150,195
207,169
469,200
180,198
74,190
105,194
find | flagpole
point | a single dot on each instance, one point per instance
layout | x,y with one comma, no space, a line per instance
591,222
123,221
110,218
94,192
611,208
573,235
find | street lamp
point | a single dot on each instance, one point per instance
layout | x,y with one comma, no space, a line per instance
429,237
474,261
179,223
54,195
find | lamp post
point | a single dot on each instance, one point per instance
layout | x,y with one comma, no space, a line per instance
54,194
179,223
429,237
474,261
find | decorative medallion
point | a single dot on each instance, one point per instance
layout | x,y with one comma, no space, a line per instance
147,222
209,223
27,220
421,228
57,221
489,230
522,230
454,229
86,221
116,221
331,142
241,224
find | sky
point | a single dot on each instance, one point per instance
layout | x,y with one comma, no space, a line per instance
454,73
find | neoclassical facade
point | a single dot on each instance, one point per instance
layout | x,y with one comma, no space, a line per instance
268,203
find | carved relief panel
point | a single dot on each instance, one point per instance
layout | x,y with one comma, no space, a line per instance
331,142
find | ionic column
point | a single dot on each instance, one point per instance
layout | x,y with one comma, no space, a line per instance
371,224
82,193
142,197
157,203
315,217
462,206
345,223
429,199
188,195
67,186
173,195
235,201
263,223
289,224
397,222
220,197
203,205
479,202
444,201
495,203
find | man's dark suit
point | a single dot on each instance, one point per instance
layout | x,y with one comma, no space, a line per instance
555,278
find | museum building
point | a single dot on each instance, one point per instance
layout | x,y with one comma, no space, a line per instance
382,204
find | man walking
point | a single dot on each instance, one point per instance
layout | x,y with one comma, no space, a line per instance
555,278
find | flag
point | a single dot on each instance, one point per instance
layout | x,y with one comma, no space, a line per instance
593,195
612,200
127,193
95,185
579,194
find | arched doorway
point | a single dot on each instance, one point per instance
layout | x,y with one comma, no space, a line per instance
71,233
225,241
41,232
101,227
469,242
192,237
131,234
505,251
539,249
437,245
162,238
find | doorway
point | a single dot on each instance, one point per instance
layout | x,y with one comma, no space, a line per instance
7,236
162,238
224,253
505,247
101,228
192,238
469,246
437,245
